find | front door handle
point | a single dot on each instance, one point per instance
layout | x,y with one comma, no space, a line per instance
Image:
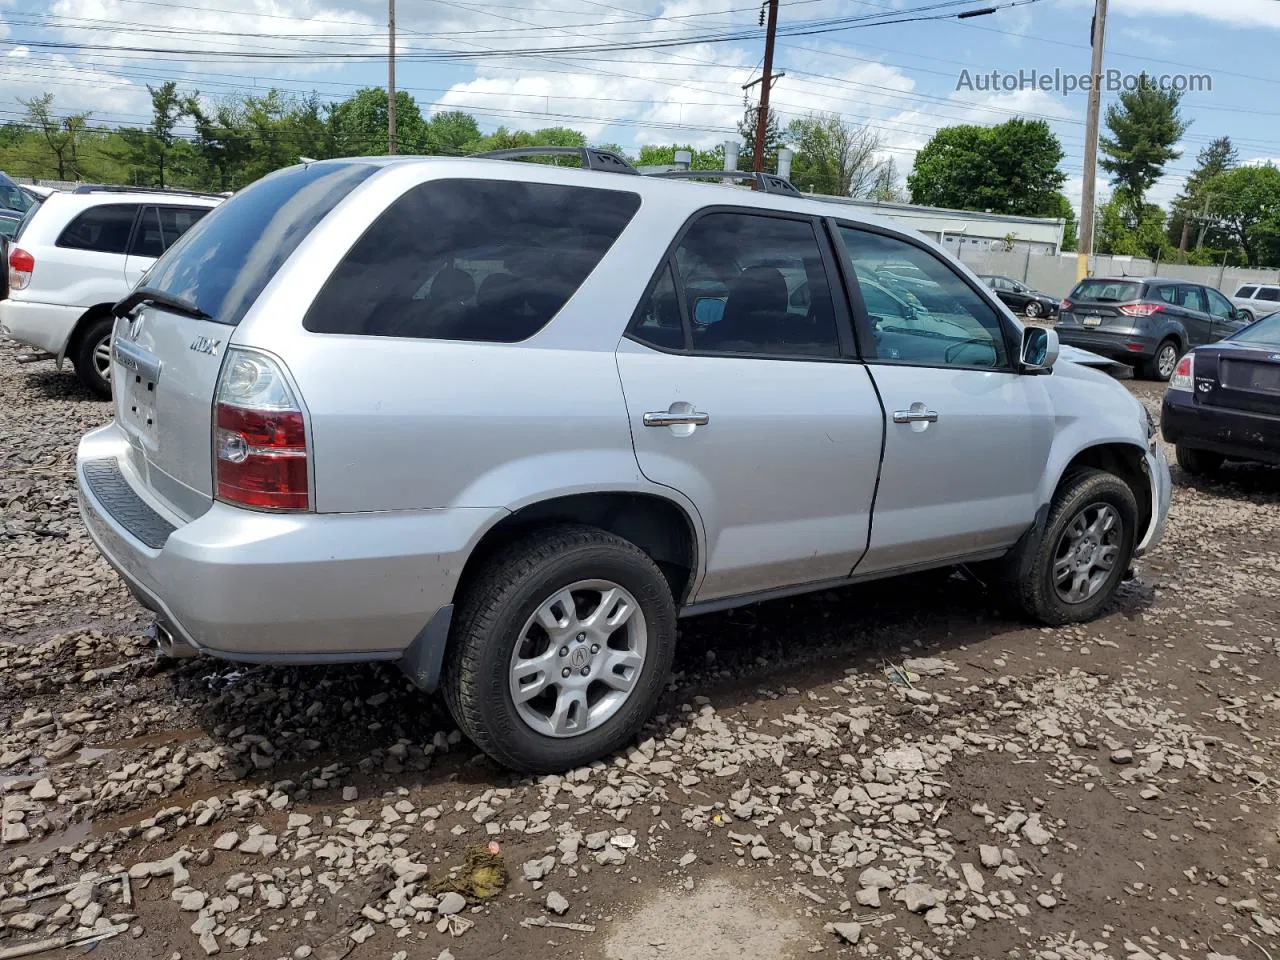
668,418
917,414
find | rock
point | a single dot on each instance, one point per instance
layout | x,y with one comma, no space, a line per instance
972,877
1046,901
688,860
597,841
611,856
241,937
407,870
193,902
1035,832
1122,757
43,790
876,879
848,932
14,833
451,903
227,841
906,813
537,869
760,852
919,897
302,952
297,820
209,943
363,934
26,921
557,904
903,758
350,793
937,916
868,897
989,855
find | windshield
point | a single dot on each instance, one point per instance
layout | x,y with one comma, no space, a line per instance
1265,332
221,264
1116,290
13,197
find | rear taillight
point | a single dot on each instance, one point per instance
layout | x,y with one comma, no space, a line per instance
259,436
1183,374
21,265
1065,306
1142,309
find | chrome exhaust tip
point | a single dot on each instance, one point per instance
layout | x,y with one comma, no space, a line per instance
170,646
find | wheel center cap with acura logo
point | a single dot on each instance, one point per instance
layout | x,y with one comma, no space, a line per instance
580,657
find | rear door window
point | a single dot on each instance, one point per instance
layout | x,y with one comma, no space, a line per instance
1269,293
147,239
1192,298
487,260
1245,293
102,229
225,261
175,221
1169,294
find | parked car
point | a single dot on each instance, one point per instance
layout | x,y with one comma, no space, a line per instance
1223,401
1147,323
1257,300
501,452
10,220
75,256
14,197
1021,298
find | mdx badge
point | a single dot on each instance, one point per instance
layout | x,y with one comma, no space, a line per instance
206,345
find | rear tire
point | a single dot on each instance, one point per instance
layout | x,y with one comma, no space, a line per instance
1072,552
1198,463
500,620
1032,310
1161,366
92,357
1247,316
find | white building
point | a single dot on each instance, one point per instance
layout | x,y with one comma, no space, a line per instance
970,230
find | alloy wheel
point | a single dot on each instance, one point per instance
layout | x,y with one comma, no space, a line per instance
102,358
1167,360
578,658
1087,553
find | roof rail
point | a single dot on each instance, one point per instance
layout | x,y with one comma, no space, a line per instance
765,182
118,188
592,159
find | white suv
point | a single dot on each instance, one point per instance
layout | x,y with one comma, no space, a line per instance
1256,300
74,256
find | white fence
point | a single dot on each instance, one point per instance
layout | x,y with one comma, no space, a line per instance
1056,275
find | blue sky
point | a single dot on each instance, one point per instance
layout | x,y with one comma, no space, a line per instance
899,79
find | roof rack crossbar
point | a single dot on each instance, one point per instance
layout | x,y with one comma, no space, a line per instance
766,182
119,188
592,159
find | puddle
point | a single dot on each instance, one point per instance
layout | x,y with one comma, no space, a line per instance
71,836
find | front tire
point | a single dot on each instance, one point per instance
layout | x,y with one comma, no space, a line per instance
92,357
1032,310
1198,463
1161,366
1084,552
560,649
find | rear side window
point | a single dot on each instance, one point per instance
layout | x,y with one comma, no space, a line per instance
175,221
147,239
489,260
102,229
1118,291
1192,298
1245,293
223,262
1269,293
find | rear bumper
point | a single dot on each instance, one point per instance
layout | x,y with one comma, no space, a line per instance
46,326
1124,346
277,588
1238,434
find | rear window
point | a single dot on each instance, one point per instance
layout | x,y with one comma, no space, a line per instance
102,229
1119,291
489,260
1268,293
223,262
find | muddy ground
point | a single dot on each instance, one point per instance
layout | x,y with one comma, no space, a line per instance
1106,791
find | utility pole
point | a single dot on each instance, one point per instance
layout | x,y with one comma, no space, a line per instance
391,76
1085,249
762,116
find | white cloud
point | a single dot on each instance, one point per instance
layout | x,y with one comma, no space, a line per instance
76,89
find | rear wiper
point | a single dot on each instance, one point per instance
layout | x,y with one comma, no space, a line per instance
160,299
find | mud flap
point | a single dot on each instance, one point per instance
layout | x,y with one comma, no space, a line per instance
423,660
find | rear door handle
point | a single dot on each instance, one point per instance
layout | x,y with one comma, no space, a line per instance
917,414
665,418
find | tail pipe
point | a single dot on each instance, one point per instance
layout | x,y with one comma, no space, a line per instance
169,645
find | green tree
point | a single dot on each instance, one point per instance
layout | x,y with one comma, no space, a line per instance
1070,239
167,108
888,186
1121,234
60,136
833,157
1246,203
452,132
359,124
1188,214
655,155
1144,127
1010,168
773,139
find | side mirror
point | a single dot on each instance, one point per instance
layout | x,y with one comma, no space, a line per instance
1039,348
707,310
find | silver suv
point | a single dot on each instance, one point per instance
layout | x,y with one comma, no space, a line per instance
504,423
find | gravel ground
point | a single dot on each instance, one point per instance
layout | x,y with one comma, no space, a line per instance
1107,791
